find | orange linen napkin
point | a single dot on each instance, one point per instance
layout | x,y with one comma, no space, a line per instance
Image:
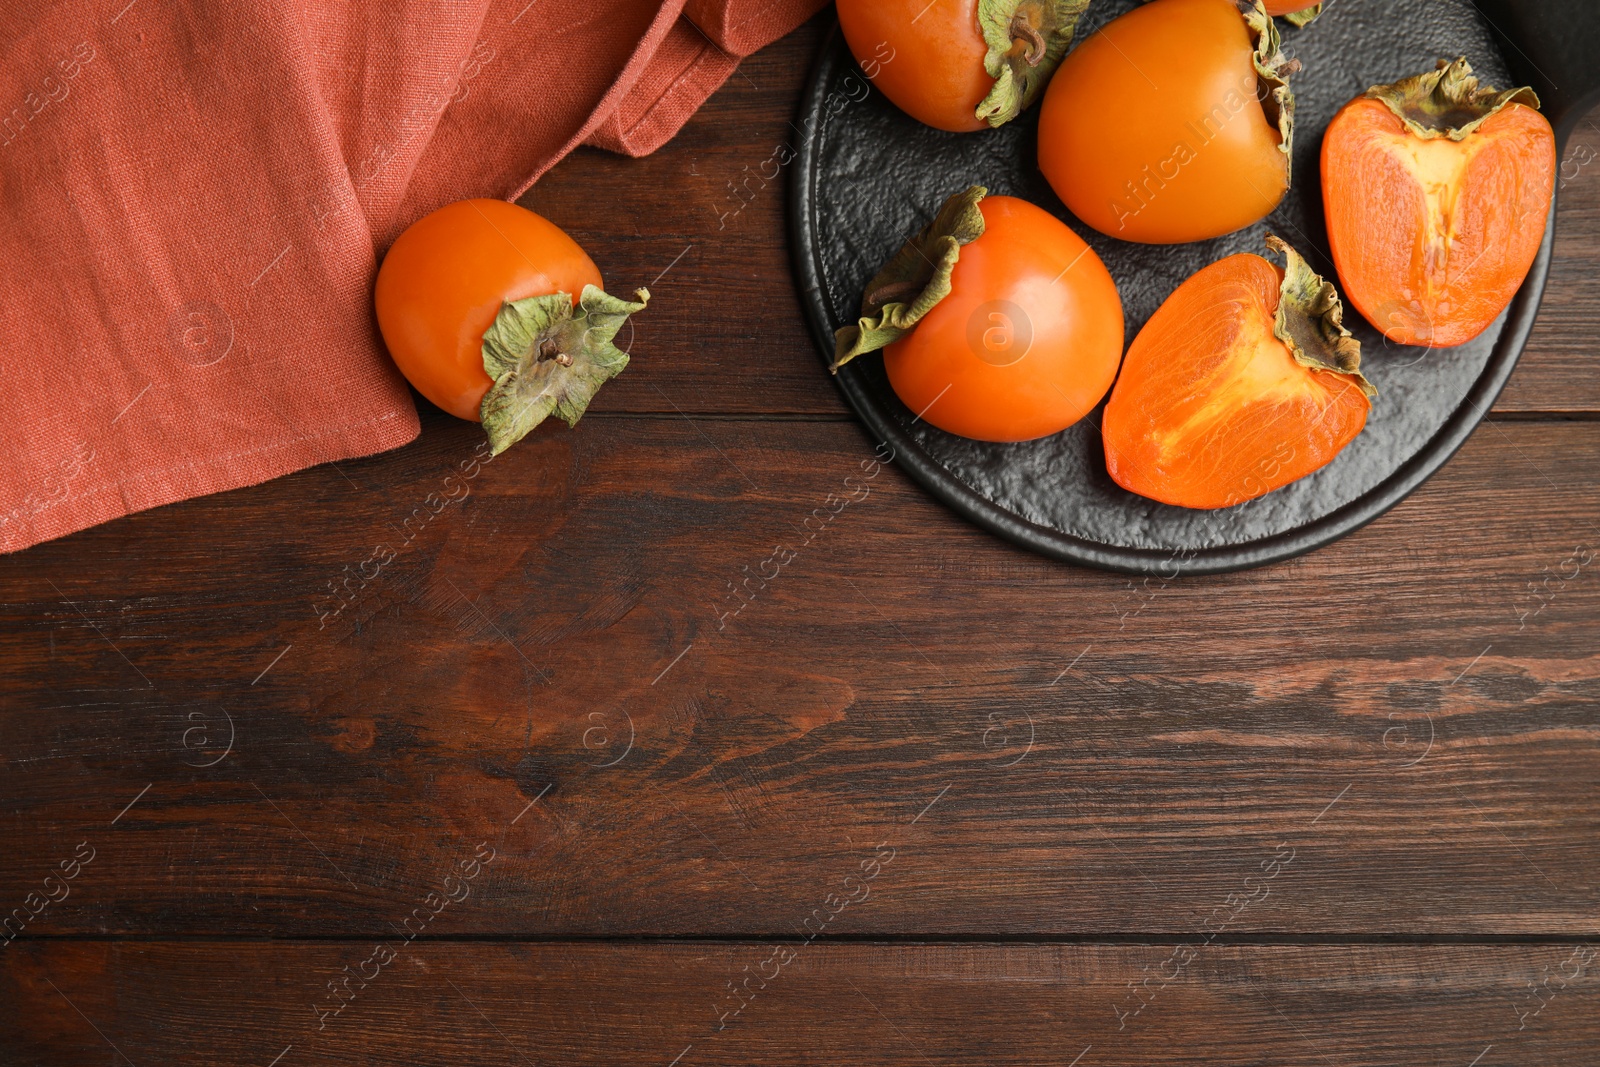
193,199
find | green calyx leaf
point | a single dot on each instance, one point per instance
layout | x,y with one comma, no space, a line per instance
547,356
915,280
1026,40
1302,19
1311,321
1448,101
1272,74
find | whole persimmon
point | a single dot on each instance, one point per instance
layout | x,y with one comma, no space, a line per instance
1242,382
1174,123
1437,192
997,322
497,316
960,65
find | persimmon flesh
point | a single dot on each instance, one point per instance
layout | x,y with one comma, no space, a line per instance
1212,408
1432,237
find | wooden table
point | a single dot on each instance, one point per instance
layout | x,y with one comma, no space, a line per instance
423,760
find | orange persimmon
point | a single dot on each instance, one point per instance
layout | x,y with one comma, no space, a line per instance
1174,123
996,322
1300,12
1242,382
1437,193
496,315
959,65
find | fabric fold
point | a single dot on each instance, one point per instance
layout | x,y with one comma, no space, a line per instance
193,200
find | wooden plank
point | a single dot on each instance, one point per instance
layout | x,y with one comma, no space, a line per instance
1556,371
822,1003
703,223
541,668
725,332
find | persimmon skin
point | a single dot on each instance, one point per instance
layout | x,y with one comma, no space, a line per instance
1432,238
934,67
1288,7
1211,410
443,281
970,373
1152,130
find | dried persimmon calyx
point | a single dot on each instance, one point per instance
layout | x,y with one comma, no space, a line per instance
1272,77
1305,16
549,356
914,281
1310,320
1026,40
1448,101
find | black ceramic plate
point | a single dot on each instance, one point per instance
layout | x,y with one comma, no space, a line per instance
867,176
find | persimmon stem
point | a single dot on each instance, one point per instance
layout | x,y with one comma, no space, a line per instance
548,349
1025,31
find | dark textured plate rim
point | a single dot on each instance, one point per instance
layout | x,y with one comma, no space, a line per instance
962,499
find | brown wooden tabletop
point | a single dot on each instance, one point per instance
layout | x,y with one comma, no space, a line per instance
418,759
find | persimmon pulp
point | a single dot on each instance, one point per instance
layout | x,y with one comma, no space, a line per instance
1028,340
1432,237
1211,408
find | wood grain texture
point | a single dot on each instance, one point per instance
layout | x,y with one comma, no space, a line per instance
725,332
1284,1006
1555,373
1108,756
700,671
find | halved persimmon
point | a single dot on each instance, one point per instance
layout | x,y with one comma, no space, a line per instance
1242,382
1437,191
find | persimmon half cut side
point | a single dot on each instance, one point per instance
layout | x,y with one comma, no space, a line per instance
1213,408
1433,235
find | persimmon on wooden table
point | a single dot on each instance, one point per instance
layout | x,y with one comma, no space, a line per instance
557,780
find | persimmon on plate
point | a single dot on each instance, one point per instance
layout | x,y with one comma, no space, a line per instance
1437,190
996,321
1243,381
1174,123
960,65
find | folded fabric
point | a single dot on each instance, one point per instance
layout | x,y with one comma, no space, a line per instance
193,199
